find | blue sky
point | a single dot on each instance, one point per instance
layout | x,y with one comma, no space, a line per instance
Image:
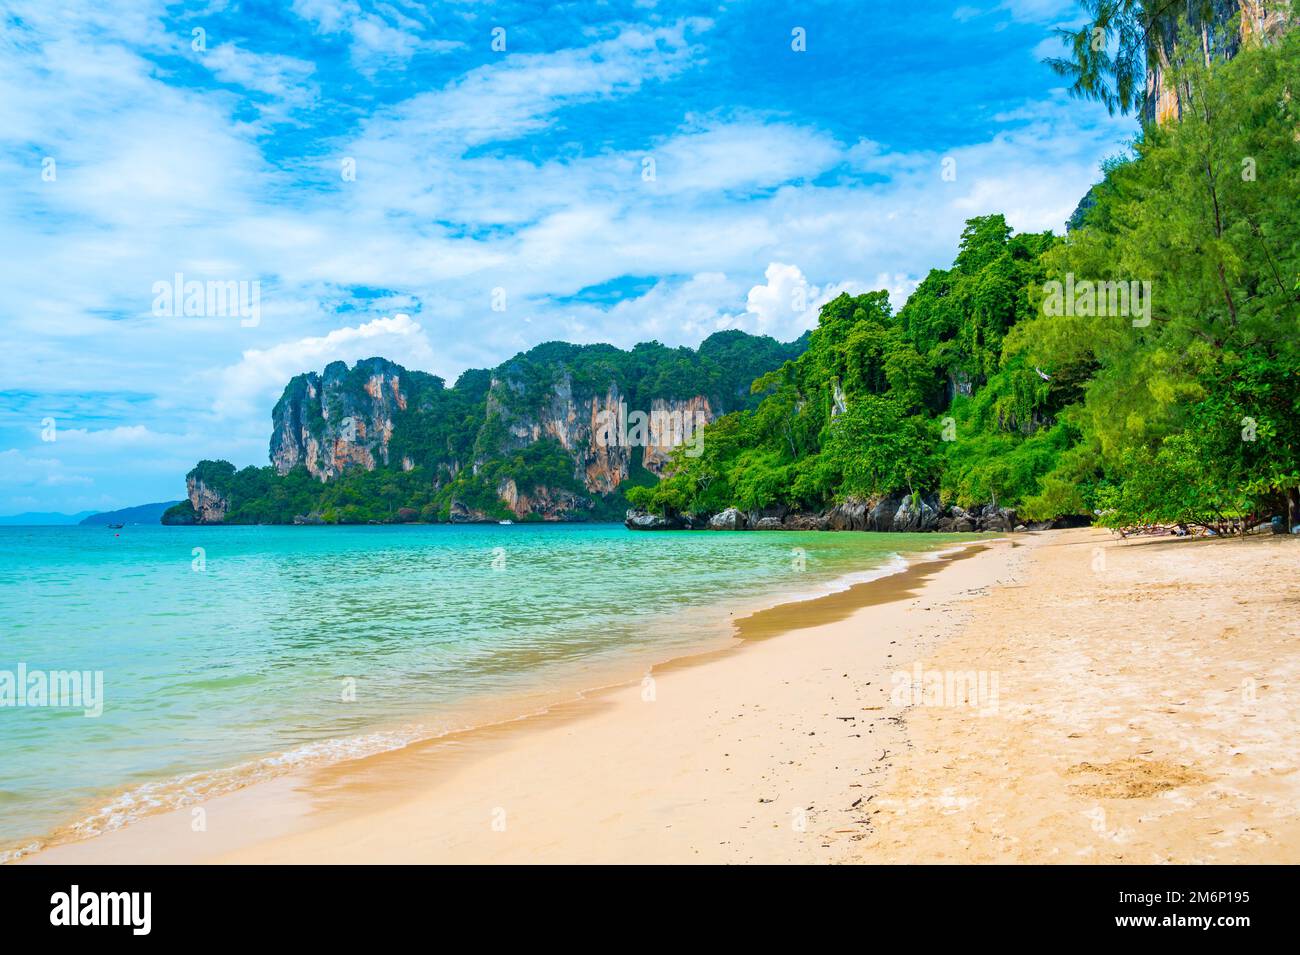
775,173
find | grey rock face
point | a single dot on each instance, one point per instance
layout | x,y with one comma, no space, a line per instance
806,522
997,519
754,518
645,521
851,515
461,513
917,513
906,513
209,505
881,516
729,520
338,419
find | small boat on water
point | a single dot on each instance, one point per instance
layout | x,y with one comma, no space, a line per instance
505,522
115,527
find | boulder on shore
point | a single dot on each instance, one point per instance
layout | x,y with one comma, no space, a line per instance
729,520
806,522
638,520
916,512
753,519
881,516
849,515
997,519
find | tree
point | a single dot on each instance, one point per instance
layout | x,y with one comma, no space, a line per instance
1124,42
877,448
1211,383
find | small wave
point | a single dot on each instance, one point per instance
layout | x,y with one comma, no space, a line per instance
893,564
178,792
13,855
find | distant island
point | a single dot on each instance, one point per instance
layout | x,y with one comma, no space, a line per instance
43,519
140,514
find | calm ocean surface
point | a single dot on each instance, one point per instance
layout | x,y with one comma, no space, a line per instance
235,663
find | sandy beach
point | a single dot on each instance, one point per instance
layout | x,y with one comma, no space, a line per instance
1059,696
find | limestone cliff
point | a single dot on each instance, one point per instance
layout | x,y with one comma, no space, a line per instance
553,434
544,502
675,423
209,503
573,421
605,437
1260,21
208,491
343,418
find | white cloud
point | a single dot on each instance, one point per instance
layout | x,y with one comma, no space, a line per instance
253,384
672,312
1021,11
136,435
329,16
521,92
285,78
786,305
380,37
20,470
741,155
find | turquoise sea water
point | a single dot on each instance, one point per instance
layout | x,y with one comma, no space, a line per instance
241,660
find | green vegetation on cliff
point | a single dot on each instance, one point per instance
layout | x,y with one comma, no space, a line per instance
862,412
452,453
1178,402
